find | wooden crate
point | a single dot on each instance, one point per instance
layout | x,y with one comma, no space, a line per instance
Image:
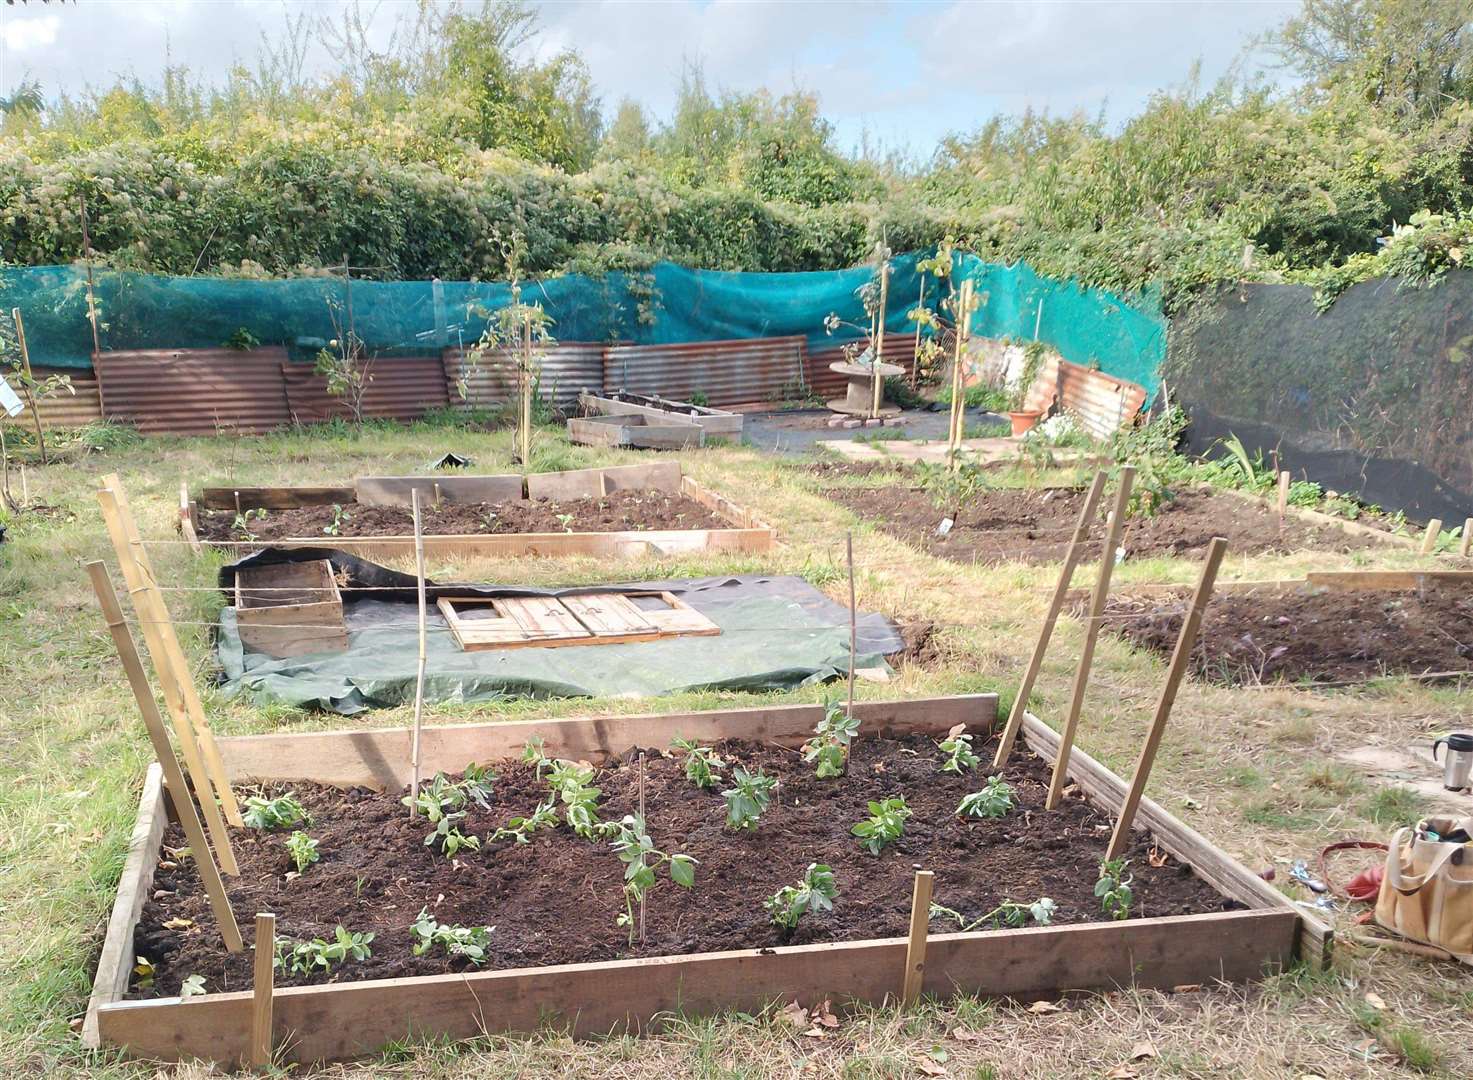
290,609
636,431
344,1020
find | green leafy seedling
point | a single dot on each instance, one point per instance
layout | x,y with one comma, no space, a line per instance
993,801
1009,913
1113,888
814,893
521,829
306,957
957,746
277,813
828,750
471,942
702,766
303,850
885,824
750,795
641,861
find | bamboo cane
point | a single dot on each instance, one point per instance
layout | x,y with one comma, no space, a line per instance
878,381
853,620
419,675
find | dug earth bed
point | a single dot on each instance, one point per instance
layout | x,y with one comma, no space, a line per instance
1254,636
1034,525
619,511
556,899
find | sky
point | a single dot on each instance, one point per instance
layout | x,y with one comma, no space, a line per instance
900,75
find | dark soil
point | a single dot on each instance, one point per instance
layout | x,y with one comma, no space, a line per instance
555,900
620,511
1032,525
1255,636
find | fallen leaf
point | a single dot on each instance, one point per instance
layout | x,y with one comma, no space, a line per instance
931,1068
178,924
955,730
1186,988
824,1015
1375,1000
967,1036
879,767
795,1014
1121,1072
1142,1050
1041,1007
816,1033
1156,857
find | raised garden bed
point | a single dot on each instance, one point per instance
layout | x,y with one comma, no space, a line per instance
716,423
614,511
638,432
556,955
1033,525
1323,632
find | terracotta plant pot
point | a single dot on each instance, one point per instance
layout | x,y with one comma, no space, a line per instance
1024,421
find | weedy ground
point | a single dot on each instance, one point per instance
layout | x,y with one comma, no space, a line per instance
1252,769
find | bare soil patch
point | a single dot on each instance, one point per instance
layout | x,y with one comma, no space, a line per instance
555,900
620,511
1261,635
1033,525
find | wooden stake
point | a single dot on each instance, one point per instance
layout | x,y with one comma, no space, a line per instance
261,1042
1061,591
853,619
1429,538
204,859
1283,496
25,367
915,948
132,553
91,294
958,384
419,675
642,939
879,382
1467,544
526,392
1091,635
154,627
1180,658
20,340
915,359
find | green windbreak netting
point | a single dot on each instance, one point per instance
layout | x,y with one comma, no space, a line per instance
151,311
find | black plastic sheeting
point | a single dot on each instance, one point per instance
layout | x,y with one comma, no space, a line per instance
777,633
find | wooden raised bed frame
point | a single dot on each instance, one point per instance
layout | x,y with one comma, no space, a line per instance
345,1020
748,533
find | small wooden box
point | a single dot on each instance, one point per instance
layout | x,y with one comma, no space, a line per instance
641,432
290,609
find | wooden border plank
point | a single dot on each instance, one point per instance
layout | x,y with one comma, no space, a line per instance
433,489
1387,579
273,498
345,1020
115,966
632,543
1314,517
377,757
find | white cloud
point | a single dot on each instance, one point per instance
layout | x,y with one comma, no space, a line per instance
25,34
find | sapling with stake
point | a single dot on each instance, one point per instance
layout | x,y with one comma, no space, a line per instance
957,746
748,798
828,750
993,801
303,850
885,824
702,766
641,862
814,893
1113,888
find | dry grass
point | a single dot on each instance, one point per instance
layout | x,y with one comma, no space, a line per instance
1250,769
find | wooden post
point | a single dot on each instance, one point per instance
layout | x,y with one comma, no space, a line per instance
153,627
261,1003
915,359
1061,591
853,620
1283,496
1429,538
25,367
1091,635
194,832
173,669
20,340
915,947
879,382
958,384
1180,658
526,424
91,293
645,826
419,675
1467,543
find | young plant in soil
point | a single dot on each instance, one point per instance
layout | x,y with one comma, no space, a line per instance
748,798
471,942
641,861
993,801
813,894
950,489
828,750
307,957
440,801
885,824
957,746
532,755
1009,913
572,783
303,850
1113,888
521,829
335,526
277,813
242,522
702,766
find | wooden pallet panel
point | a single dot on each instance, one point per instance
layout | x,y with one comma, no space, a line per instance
555,622
610,615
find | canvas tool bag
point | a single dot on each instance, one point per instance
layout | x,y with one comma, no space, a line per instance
1427,892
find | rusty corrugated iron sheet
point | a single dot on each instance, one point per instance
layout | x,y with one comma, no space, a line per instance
899,350
193,391
398,389
727,372
74,410
1101,403
567,368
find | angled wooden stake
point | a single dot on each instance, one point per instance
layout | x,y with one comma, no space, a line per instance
1061,591
1180,658
263,990
186,519
1429,538
915,947
194,832
853,620
419,674
131,552
1097,602
1467,544
1284,481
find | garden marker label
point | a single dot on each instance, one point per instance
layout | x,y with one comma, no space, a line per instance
12,404
944,527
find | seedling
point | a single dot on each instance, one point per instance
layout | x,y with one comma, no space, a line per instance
957,746
572,784
636,851
532,755
284,810
521,829
451,839
566,521
993,801
702,766
1113,888
1008,913
306,957
243,520
884,825
472,942
814,893
303,850
335,526
829,747
746,801
192,986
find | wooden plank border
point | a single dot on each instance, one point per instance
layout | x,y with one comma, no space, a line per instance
1314,517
